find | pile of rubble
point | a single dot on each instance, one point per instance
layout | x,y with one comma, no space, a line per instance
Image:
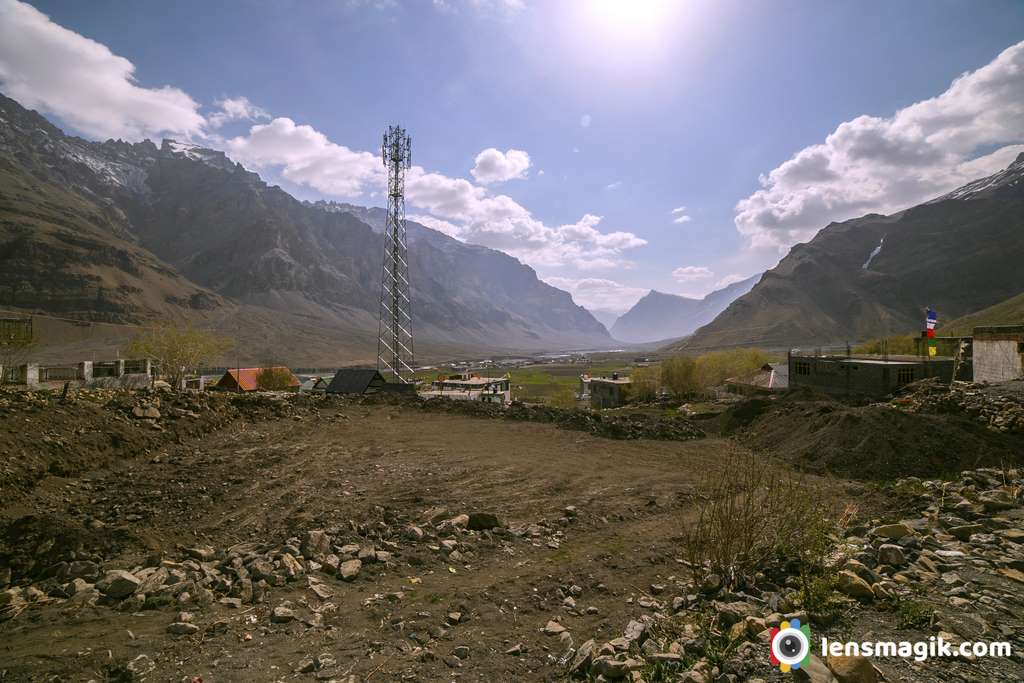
995,406
957,571
612,426
246,573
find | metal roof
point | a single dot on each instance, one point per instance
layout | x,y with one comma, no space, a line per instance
353,381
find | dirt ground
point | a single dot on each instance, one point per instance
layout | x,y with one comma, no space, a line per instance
593,519
265,480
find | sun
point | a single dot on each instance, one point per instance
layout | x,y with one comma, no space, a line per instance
629,21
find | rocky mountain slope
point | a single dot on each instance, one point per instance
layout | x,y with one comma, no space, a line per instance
138,232
876,275
1007,312
666,316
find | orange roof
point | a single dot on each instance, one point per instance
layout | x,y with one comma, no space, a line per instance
248,381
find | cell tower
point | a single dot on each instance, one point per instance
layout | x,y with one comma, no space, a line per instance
394,336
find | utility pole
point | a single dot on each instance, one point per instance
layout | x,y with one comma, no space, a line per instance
394,332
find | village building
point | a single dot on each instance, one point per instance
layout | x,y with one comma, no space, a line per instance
998,353
356,381
471,387
247,379
584,392
863,376
769,378
313,385
609,392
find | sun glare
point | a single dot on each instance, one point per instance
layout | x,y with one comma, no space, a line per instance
629,21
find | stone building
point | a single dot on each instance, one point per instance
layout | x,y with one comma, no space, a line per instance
998,353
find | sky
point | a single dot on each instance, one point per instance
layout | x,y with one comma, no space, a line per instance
616,146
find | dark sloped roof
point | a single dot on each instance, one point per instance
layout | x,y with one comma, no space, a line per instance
352,381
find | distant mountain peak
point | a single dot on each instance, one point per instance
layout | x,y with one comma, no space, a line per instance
1008,177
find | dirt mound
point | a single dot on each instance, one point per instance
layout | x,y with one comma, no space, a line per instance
608,425
877,442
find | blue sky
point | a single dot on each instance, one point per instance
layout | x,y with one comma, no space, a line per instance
625,111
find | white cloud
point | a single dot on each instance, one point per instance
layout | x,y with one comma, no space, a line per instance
613,186
679,215
729,279
874,164
495,166
585,120
305,156
598,293
691,273
235,109
47,67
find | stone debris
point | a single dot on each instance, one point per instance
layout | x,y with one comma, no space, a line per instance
995,407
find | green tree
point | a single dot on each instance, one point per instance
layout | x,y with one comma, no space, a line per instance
715,367
179,349
679,375
274,379
644,383
565,397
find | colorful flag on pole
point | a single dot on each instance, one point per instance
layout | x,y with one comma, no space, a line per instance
930,321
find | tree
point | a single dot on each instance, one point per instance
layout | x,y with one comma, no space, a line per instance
679,375
565,397
178,349
715,367
644,383
274,379
16,345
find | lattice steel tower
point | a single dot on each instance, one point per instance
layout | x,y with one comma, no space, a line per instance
394,335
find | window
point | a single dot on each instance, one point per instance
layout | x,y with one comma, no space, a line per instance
904,375
802,367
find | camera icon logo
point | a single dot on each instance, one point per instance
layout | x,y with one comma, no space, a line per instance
790,645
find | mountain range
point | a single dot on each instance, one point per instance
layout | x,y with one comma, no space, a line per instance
118,232
660,316
876,275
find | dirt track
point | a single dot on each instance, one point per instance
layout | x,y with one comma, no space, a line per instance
262,481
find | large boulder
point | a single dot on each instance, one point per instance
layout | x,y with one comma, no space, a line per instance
118,584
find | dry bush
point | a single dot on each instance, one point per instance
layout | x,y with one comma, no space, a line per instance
752,514
901,345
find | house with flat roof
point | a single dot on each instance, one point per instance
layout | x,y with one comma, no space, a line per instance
609,392
469,386
863,376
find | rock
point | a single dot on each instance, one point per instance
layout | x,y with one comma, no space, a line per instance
892,531
203,553
854,586
349,569
965,531
461,651
515,650
83,569
367,554
182,628
282,615
316,544
852,669
553,628
458,521
292,567
635,631
581,662
614,669
231,602
711,583
815,671
146,413
481,521
118,584
733,612
414,533
306,665
892,555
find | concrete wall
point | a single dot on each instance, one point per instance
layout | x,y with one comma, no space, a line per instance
998,360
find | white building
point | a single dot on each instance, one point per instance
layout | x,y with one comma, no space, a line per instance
471,387
998,353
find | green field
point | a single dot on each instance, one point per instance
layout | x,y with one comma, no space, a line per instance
542,382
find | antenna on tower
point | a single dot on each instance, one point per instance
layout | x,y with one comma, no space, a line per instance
394,333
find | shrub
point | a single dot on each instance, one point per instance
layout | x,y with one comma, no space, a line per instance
273,379
751,516
563,398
